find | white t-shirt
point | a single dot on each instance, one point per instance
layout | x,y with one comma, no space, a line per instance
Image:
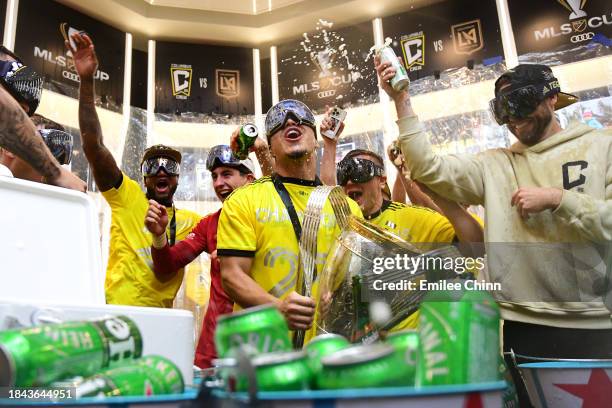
5,171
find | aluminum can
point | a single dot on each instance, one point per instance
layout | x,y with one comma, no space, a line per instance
246,139
363,366
39,355
459,338
322,346
262,327
282,371
151,375
406,344
400,81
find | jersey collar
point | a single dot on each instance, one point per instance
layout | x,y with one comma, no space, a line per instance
385,205
292,180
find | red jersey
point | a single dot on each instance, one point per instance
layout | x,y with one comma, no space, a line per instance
167,260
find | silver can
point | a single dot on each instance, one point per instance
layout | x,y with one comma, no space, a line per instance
400,81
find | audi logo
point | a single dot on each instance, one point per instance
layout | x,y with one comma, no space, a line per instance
582,37
71,75
326,94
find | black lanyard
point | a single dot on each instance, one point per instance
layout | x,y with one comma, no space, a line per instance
173,226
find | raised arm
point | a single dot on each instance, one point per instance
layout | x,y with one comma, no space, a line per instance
458,178
328,161
262,152
19,136
105,170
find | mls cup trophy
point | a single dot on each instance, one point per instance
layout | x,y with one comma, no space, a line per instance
575,6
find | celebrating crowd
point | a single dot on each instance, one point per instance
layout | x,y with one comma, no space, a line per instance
553,186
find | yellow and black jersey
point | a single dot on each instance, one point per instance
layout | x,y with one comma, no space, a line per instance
255,223
413,224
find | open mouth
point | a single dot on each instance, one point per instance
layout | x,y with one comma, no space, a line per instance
162,186
293,133
224,193
355,195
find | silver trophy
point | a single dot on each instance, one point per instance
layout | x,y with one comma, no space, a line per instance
575,6
323,60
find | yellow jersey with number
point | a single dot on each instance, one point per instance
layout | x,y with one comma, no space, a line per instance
129,275
255,223
417,225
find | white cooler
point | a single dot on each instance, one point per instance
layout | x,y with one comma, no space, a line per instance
52,270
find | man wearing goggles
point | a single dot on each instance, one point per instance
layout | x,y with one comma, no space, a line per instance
22,149
55,138
551,187
260,223
228,173
130,279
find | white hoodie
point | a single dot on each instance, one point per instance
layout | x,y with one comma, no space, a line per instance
550,267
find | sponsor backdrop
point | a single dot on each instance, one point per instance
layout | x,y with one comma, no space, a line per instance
203,79
329,66
41,45
445,35
542,26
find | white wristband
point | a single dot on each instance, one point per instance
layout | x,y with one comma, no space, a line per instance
159,241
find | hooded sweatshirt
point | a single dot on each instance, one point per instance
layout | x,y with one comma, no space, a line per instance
552,266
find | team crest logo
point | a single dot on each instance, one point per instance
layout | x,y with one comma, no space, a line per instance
467,37
579,25
413,48
228,83
575,7
181,80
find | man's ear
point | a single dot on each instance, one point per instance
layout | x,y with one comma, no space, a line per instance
383,181
250,177
553,101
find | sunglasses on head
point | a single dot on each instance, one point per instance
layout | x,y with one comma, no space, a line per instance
152,166
516,104
277,116
60,143
357,170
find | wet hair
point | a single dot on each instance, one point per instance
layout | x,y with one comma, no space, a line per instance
46,123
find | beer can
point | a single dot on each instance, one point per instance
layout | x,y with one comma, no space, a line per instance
406,345
459,338
39,355
363,366
282,371
262,327
322,346
151,375
400,81
246,139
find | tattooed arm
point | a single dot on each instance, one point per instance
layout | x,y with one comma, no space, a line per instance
105,170
19,136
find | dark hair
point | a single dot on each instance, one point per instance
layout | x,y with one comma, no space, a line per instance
46,123
5,52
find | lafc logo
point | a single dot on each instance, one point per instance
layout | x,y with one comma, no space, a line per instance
181,80
228,82
414,51
467,37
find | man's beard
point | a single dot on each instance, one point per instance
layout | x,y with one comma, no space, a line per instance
298,154
165,201
541,122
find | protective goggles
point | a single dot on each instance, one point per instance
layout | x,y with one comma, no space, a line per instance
152,166
517,104
60,143
357,170
22,82
221,155
277,116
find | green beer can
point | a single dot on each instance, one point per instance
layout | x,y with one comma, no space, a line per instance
262,327
406,344
459,338
322,346
151,375
39,355
282,371
246,139
363,366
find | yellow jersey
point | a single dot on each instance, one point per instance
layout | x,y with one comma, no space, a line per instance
418,225
255,223
129,275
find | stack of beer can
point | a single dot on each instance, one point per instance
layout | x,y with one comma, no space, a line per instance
94,358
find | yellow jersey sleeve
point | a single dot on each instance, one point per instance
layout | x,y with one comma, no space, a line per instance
128,192
236,234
